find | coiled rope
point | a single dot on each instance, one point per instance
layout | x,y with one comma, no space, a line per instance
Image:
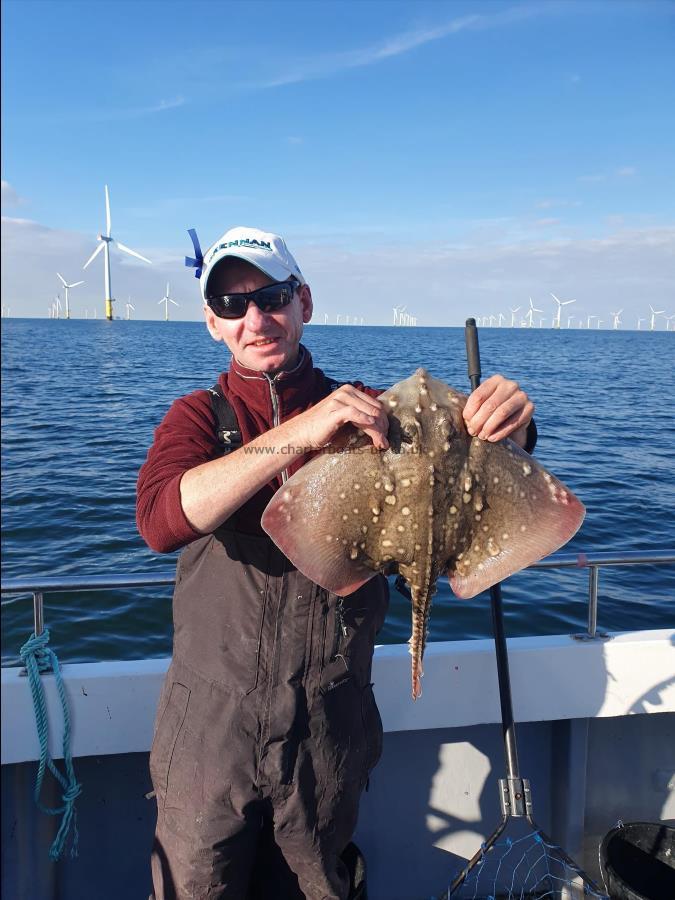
38,658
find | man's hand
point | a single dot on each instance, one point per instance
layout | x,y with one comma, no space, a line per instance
498,408
319,425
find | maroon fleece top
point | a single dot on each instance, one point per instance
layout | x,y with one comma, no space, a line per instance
187,438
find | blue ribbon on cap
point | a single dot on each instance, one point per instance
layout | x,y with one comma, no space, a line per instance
197,261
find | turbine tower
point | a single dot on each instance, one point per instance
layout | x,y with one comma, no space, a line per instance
655,313
513,310
166,300
105,240
616,320
67,287
528,315
561,303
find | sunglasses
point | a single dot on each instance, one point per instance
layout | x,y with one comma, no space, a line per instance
268,299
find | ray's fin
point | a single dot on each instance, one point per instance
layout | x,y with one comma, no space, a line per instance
303,521
515,513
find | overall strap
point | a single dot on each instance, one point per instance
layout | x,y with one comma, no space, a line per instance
227,427
229,435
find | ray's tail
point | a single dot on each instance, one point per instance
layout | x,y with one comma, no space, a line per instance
421,604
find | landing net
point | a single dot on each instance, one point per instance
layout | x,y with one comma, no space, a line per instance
526,867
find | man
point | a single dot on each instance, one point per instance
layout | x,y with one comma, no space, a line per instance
267,728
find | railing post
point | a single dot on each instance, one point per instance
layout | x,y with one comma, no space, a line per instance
38,613
592,601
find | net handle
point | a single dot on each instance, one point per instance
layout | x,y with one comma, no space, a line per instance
508,725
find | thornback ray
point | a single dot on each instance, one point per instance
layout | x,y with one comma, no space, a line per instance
436,501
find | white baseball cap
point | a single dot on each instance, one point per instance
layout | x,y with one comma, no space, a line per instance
262,249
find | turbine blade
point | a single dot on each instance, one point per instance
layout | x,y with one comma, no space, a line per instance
131,306
160,301
174,302
74,284
132,252
63,281
94,254
107,211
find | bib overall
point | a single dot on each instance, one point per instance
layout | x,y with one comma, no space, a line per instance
267,728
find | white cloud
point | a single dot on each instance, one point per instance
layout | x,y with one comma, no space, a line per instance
137,112
443,281
9,196
329,64
592,179
621,172
33,254
552,203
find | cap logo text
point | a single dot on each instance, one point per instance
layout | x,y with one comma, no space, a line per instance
243,242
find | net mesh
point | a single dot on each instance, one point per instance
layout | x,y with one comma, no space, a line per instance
529,866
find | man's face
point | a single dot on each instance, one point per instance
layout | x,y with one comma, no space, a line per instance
266,342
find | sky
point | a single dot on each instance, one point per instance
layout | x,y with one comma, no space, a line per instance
453,158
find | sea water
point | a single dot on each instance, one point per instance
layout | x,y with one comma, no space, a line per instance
80,400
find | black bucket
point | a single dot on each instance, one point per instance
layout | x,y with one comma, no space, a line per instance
637,861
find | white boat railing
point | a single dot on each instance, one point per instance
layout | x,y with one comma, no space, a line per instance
39,585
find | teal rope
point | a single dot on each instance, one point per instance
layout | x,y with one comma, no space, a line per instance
38,658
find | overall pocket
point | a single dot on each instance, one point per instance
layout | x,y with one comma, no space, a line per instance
167,732
335,668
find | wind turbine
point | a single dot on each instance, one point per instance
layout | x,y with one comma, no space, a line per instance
616,320
588,320
569,319
533,309
166,300
668,319
561,303
128,306
105,240
57,306
67,287
655,313
513,310
325,318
